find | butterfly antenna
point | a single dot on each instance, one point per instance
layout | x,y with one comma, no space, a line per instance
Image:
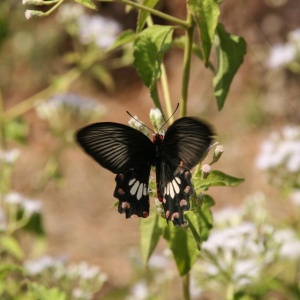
169,117
139,121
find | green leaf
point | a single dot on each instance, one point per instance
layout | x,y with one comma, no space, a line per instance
87,3
206,14
103,76
183,246
143,15
6,269
149,47
196,50
215,178
150,233
41,292
231,50
200,219
11,245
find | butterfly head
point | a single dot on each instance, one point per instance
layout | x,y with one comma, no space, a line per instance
158,138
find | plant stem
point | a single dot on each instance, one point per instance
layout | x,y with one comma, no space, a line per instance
186,286
230,291
187,66
155,12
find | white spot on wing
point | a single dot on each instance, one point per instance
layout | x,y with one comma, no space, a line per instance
145,190
140,191
134,188
172,192
178,180
131,181
175,186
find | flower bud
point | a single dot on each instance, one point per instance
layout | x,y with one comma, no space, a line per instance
218,153
30,14
156,119
206,169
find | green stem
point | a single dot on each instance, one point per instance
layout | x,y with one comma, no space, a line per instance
166,91
187,65
230,291
155,12
186,286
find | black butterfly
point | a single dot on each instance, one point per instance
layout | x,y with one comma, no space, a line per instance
130,154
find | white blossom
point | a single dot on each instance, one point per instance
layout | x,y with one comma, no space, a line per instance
98,29
139,291
281,55
37,266
10,156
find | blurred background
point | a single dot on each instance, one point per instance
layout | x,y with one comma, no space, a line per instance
75,192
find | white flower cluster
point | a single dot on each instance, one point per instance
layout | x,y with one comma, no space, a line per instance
239,251
9,156
280,156
29,206
99,30
62,110
80,280
156,119
135,123
284,55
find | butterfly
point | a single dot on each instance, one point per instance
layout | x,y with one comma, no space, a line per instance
130,154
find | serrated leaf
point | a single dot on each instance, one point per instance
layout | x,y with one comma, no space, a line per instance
215,178
149,47
11,246
143,15
206,14
150,233
87,3
183,246
231,50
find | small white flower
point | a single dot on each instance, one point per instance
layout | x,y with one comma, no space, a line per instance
139,291
99,30
158,262
29,14
156,119
69,12
35,267
14,198
79,293
295,197
10,156
228,216
31,206
281,55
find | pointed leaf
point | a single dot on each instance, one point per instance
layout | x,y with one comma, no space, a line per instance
215,178
143,15
150,233
206,14
231,50
11,246
149,48
87,3
183,246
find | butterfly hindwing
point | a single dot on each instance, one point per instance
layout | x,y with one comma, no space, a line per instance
183,146
132,192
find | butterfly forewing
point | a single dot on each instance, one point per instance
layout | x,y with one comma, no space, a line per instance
116,147
186,141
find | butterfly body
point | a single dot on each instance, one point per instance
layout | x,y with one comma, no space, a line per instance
130,154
